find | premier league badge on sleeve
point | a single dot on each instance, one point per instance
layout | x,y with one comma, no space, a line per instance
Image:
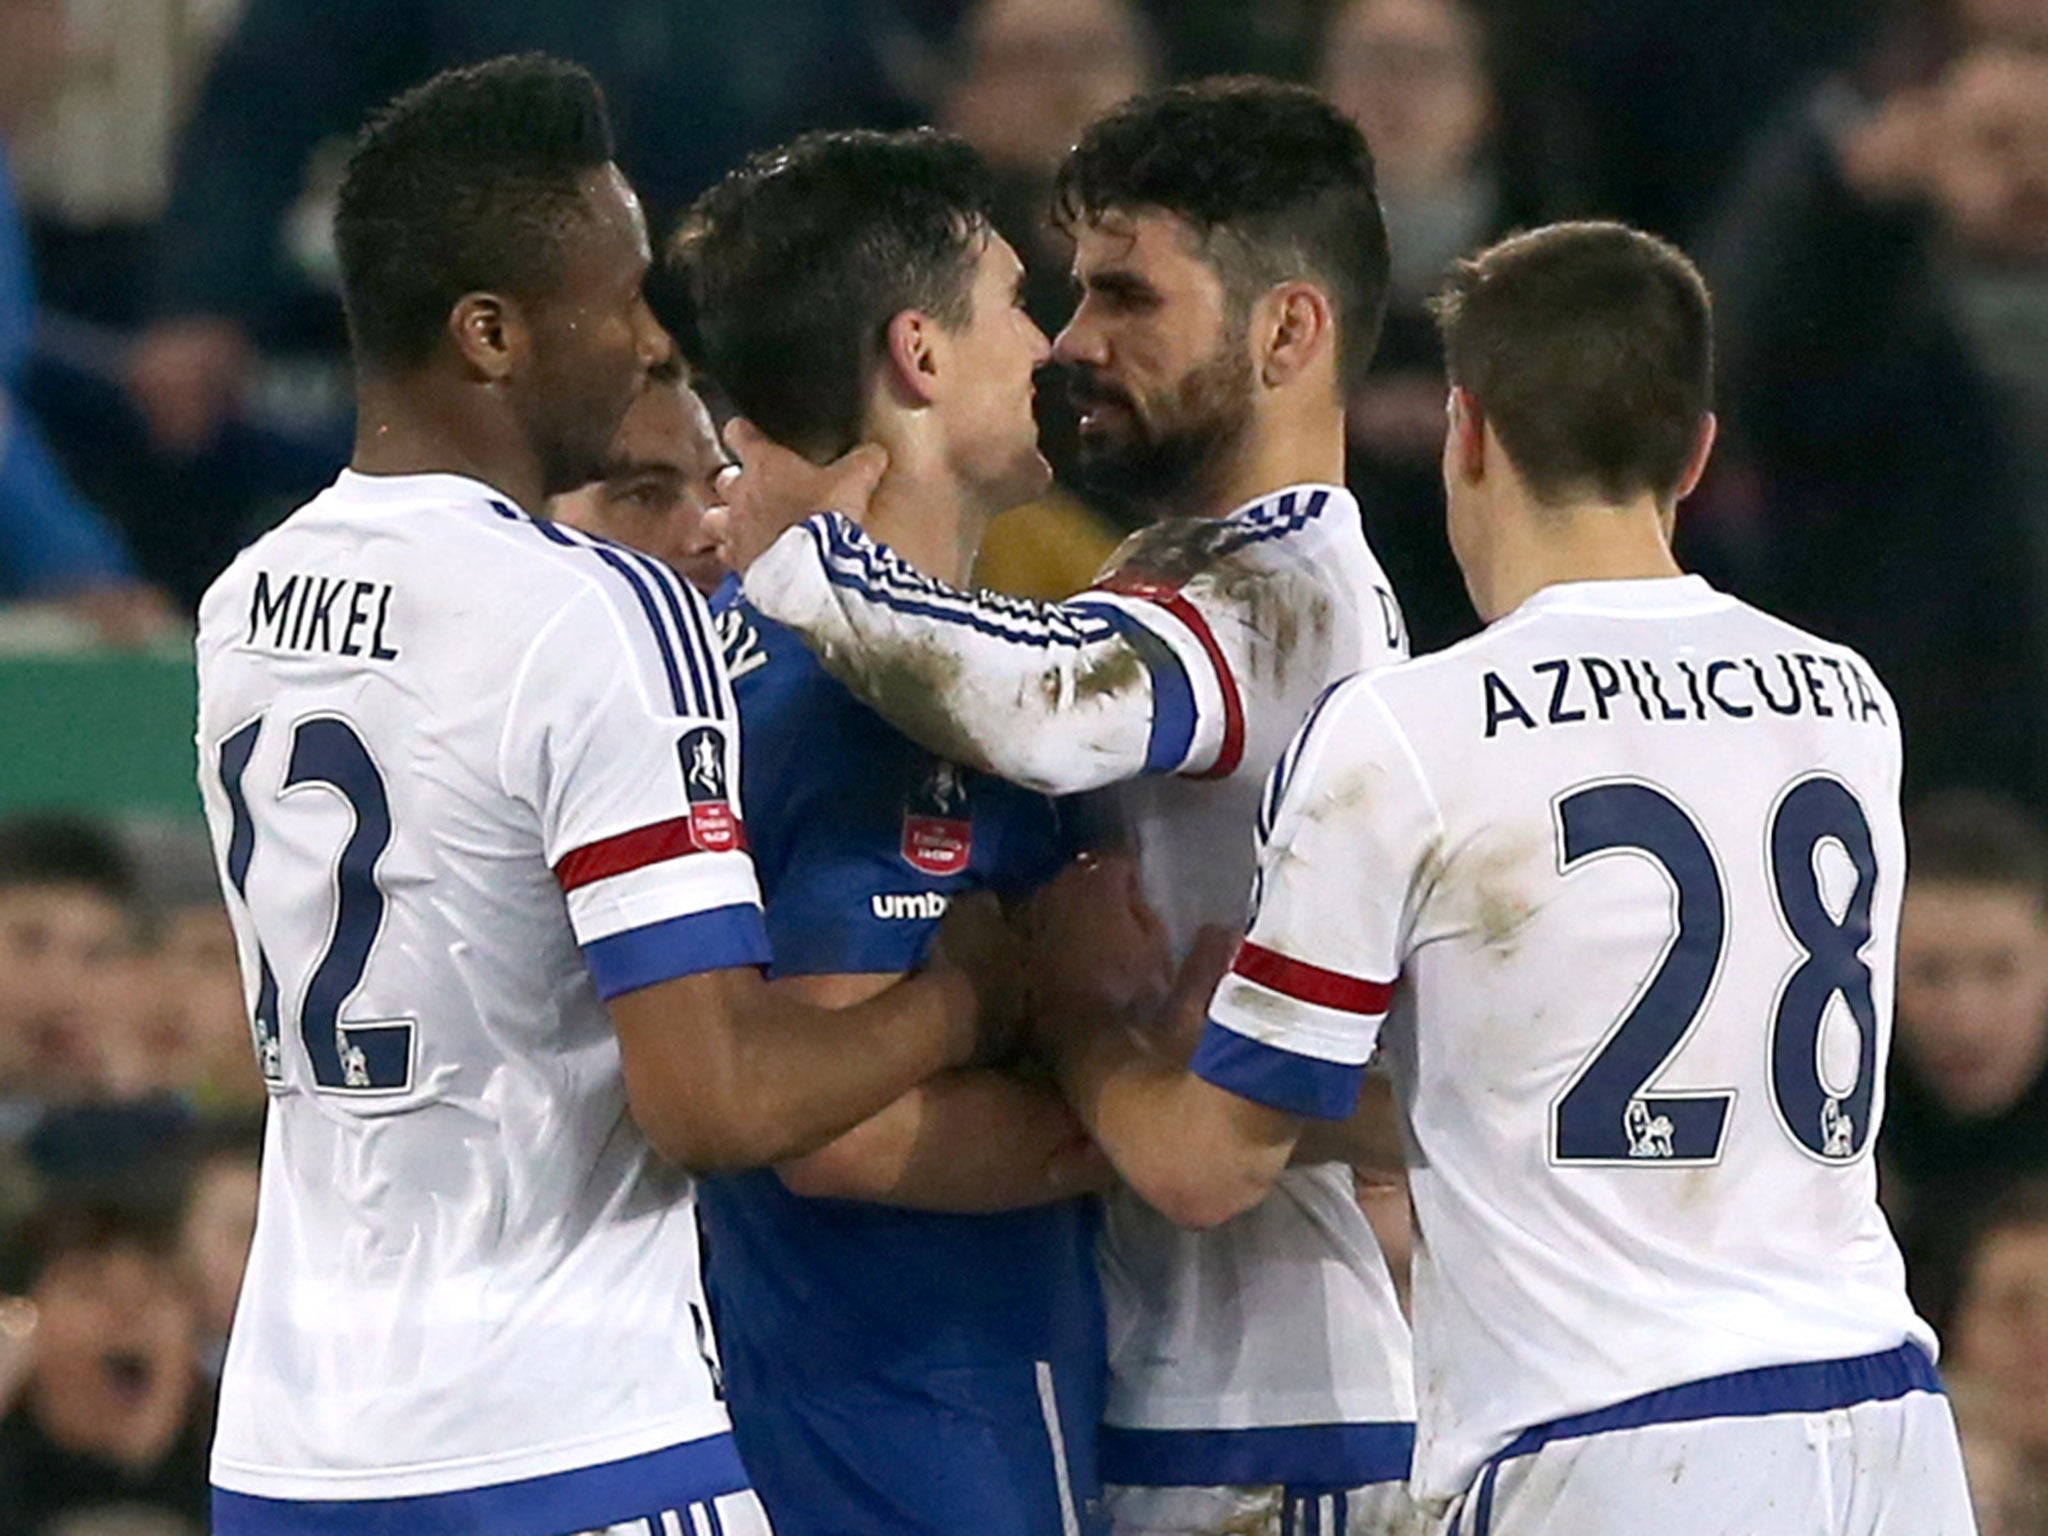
714,827
938,836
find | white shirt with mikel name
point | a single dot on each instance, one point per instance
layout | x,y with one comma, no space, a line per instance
1615,885
467,775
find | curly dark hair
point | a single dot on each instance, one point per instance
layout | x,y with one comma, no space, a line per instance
784,277
1276,182
465,184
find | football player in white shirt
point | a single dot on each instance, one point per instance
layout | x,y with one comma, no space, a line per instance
470,779
1232,263
1615,885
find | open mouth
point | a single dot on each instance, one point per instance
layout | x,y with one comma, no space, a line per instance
129,1372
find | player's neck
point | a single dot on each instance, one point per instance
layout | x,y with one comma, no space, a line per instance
406,431
928,518
1296,445
1534,548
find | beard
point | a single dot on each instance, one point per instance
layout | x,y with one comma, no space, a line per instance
1178,445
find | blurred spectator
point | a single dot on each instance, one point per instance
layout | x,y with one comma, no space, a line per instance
659,482
67,940
1413,75
218,1223
1968,1097
692,84
1998,1343
1894,505
113,1411
2006,1489
123,1520
52,546
191,1025
1032,75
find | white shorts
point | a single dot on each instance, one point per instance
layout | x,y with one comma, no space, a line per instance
1887,1468
1384,1509
731,1514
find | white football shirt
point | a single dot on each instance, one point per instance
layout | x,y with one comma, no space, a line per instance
1179,678
1283,1321
1622,874
467,775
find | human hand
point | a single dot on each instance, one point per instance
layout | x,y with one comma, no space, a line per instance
772,489
187,376
1176,1029
1096,949
978,941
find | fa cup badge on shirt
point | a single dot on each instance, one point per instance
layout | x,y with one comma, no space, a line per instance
713,825
938,836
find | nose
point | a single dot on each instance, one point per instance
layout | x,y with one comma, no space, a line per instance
1080,341
1041,349
654,344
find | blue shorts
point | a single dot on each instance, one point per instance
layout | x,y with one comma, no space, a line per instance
1006,1450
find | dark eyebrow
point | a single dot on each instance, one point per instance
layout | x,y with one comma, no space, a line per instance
1120,283
634,469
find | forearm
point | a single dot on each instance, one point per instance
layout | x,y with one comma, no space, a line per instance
1369,1141
975,1141
767,1078
1195,1153
1057,697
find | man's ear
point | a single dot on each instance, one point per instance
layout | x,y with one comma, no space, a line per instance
1702,450
491,336
911,361
1465,440
1297,327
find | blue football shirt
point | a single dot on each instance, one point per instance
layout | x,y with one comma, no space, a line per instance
892,1371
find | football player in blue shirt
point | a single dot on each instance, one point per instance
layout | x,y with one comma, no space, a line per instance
910,1318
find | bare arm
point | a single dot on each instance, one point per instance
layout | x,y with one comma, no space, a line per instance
723,1072
1196,1153
963,1141
1369,1141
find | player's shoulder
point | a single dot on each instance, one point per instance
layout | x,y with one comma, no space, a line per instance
1269,535
783,691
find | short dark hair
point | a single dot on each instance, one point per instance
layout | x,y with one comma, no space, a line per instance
1972,837
788,272
1276,182
1590,348
464,184
60,848
96,1222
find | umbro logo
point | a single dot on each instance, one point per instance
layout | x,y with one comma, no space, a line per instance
925,906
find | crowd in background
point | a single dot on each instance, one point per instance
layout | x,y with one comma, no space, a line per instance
1866,185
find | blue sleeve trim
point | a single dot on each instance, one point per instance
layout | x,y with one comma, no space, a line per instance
1173,695
720,939
1815,1387
1303,1457
1265,1074
585,1499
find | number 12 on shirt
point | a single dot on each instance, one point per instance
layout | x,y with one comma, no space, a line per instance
327,755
